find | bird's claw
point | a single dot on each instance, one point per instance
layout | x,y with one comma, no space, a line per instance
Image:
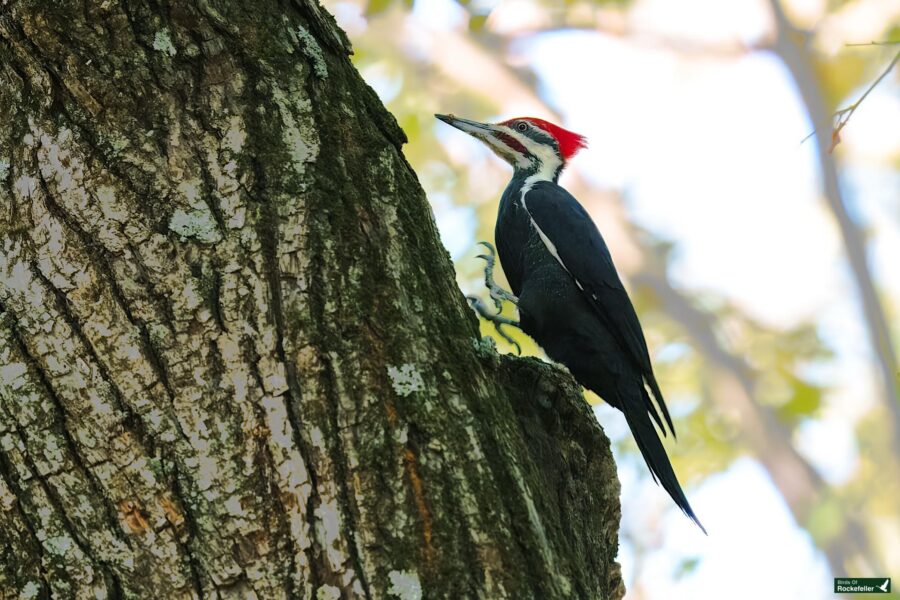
498,294
498,321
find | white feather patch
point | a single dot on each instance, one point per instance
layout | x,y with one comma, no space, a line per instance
548,243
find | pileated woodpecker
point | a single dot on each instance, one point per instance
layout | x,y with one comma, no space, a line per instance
564,283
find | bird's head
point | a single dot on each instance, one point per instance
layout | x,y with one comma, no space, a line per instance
532,146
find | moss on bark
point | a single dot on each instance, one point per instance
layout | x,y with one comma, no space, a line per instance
234,361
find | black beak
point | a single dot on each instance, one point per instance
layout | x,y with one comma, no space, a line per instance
470,127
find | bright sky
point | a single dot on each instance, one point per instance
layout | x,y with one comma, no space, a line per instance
708,154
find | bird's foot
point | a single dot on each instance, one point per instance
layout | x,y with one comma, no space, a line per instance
498,294
499,321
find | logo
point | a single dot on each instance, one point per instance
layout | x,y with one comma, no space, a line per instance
862,585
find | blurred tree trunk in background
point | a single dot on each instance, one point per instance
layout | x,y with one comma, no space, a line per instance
792,46
234,361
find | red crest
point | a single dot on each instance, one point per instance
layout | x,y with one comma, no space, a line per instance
569,141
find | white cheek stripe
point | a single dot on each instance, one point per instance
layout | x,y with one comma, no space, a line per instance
548,243
504,150
496,145
546,156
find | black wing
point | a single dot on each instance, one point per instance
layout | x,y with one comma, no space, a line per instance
584,254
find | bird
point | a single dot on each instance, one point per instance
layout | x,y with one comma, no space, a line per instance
884,586
569,296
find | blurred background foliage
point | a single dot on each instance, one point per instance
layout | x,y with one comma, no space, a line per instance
765,270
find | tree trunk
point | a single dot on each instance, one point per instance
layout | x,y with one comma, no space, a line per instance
234,362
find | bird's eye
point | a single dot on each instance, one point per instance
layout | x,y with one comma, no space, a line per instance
522,126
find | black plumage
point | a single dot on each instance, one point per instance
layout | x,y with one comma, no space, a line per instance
578,311
569,295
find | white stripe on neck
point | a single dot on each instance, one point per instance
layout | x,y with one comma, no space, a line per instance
548,160
548,243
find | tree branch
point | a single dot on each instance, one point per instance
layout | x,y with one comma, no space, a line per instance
843,115
798,61
874,43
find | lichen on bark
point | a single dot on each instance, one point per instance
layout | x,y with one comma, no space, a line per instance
233,358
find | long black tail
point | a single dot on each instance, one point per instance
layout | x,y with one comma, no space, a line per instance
656,458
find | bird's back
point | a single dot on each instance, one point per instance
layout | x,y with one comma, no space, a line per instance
588,325
552,309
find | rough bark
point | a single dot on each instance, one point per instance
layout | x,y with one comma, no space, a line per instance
234,361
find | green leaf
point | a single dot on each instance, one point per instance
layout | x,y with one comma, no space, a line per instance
686,567
375,7
805,401
476,22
